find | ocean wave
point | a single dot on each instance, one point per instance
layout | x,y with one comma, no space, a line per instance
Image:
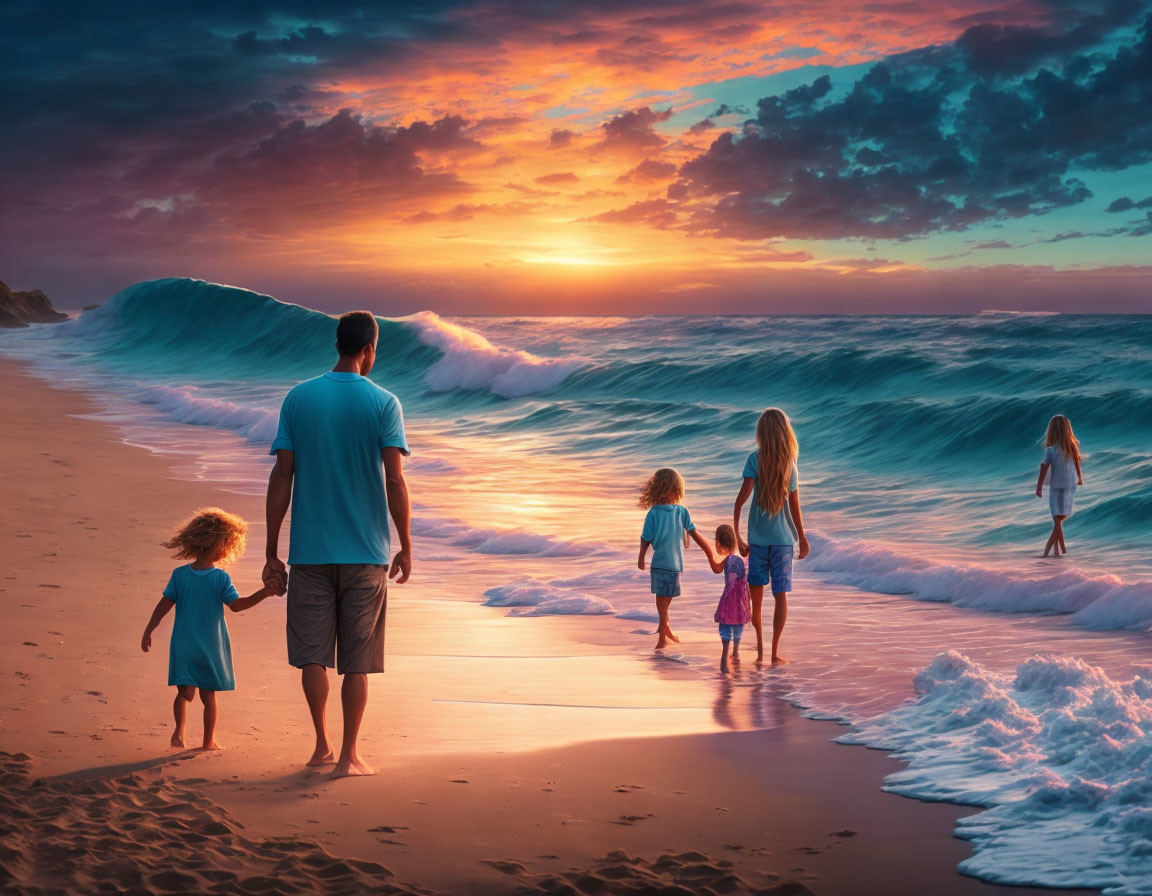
497,541
531,597
191,405
1097,602
470,361
178,326
1059,754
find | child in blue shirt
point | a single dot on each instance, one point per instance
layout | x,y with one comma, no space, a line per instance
200,652
667,528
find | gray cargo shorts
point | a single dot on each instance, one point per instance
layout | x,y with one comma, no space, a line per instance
336,611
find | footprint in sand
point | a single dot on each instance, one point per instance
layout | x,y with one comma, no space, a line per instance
508,866
629,820
31,644
45,585
457,781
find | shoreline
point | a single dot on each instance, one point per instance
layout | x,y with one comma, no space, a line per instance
83,522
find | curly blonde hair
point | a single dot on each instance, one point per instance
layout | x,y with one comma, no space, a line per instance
665,487
204,530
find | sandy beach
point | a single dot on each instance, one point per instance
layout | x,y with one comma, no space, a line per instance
529,755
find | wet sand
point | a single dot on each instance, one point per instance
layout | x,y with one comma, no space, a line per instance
509,751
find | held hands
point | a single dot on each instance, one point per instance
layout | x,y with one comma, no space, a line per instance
804,547
275,576
401,566
744,549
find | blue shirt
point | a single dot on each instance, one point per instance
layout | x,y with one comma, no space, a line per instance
200,652
337,425
664,529
766,529
1063,470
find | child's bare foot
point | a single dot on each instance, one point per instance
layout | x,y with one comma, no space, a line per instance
662,643
322,756
351,768
211,745
736,657
779,661
178,739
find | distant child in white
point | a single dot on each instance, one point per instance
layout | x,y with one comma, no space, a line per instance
1062,457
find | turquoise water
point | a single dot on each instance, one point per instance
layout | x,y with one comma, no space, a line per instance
919,453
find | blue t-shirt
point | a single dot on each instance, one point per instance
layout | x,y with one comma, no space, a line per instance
337,425
767,529
1063,470
200,652
664,529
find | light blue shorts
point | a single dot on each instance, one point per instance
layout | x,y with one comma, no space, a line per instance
1060,501
771,564
665,582
730,632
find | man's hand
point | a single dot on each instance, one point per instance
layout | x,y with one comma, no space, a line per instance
1039,493
401,566
275,576
146,642
640,563
804,548
744,549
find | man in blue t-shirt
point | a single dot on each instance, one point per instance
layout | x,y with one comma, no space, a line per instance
338,462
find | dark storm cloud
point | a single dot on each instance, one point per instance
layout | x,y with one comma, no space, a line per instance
560,138
634,131
647,171
935,139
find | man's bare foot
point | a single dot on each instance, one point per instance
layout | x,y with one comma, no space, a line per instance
322,756
779,661
211,745
723,667
178,739
351,768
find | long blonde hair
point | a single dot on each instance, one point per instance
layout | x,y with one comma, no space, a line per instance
778,450
202,532
1060,434
665,487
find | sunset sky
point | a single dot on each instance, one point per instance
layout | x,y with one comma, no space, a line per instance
601,157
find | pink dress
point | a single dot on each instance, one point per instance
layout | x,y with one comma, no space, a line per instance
734,608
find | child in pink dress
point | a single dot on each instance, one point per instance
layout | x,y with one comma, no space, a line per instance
735,609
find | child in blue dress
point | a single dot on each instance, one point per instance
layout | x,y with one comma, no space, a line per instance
667,527
200,653
1062,457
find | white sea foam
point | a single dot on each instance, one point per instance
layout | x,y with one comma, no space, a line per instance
472,362
1059,753
1098,602
497,541
187,404
531,597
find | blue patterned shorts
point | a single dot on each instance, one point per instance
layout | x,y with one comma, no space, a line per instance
665,582
771,564
731,632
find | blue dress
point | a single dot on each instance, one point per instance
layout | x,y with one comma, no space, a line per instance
200,652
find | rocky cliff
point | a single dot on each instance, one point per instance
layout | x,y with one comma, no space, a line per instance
18,309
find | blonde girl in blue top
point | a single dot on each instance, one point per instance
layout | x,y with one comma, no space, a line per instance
1062,457
774,522
200,652
667,528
